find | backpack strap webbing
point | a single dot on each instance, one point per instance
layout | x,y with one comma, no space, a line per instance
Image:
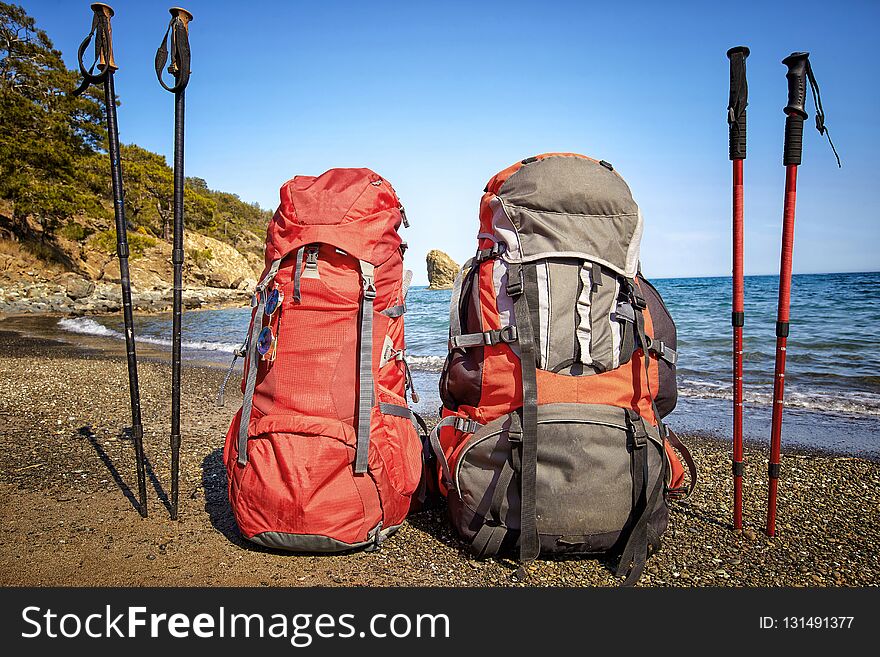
663,351
455,301
253,364
396,410
365,367
297,274
635,552
400,309
463,424
491,534
529,545
683,492
508,335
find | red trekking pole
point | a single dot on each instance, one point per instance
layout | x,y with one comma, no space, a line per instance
736,120
799,71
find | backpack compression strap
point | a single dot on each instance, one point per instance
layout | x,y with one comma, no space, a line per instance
683,492
635,552
253,363
400,309
455,301
529,546
462,424
365,368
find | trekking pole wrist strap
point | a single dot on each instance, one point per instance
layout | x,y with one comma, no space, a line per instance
102,33
178,29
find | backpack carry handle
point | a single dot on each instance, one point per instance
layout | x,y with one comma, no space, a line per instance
797,63
739,100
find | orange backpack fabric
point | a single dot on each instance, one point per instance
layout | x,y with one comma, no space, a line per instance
327,456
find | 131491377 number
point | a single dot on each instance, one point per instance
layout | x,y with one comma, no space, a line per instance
817,622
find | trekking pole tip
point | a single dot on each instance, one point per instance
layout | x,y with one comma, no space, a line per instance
736,50
183,14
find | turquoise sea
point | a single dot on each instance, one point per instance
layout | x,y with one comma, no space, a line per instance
832,375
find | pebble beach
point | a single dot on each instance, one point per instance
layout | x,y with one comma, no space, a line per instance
68,518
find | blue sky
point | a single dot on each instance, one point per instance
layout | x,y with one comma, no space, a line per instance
437,97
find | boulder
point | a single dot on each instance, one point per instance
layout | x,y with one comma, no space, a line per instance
442,270
78,287
219,264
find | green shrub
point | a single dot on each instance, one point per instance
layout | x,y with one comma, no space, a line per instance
200,257
138,243
76,232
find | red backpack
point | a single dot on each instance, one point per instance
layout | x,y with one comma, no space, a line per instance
561,365
324,455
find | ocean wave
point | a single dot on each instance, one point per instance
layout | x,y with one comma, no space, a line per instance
88,326
426,363
850,402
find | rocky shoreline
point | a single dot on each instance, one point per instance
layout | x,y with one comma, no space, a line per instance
67,519
74,295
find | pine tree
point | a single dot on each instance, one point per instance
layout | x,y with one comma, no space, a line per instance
45,133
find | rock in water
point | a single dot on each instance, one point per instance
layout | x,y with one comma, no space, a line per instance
442,270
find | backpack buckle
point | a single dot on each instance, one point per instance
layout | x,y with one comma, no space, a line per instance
508,334
515,287
636,426
466,425
369,287
312,257
638,300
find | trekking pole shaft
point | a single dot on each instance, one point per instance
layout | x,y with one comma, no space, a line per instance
737,321
795,114
177,260
782,328
122,252
736,120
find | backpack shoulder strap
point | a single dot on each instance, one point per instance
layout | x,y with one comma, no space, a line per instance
365,367
247,406
529,545
455,301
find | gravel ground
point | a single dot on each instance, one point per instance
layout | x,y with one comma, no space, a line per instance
67,517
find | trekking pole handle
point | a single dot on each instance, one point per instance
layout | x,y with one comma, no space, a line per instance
794,111
739,99
181,13
105,55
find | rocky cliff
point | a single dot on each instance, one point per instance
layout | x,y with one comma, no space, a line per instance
82,278
442,270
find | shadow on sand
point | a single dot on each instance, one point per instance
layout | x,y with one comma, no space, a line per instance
88,433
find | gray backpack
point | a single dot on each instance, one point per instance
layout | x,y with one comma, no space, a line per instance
561,365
